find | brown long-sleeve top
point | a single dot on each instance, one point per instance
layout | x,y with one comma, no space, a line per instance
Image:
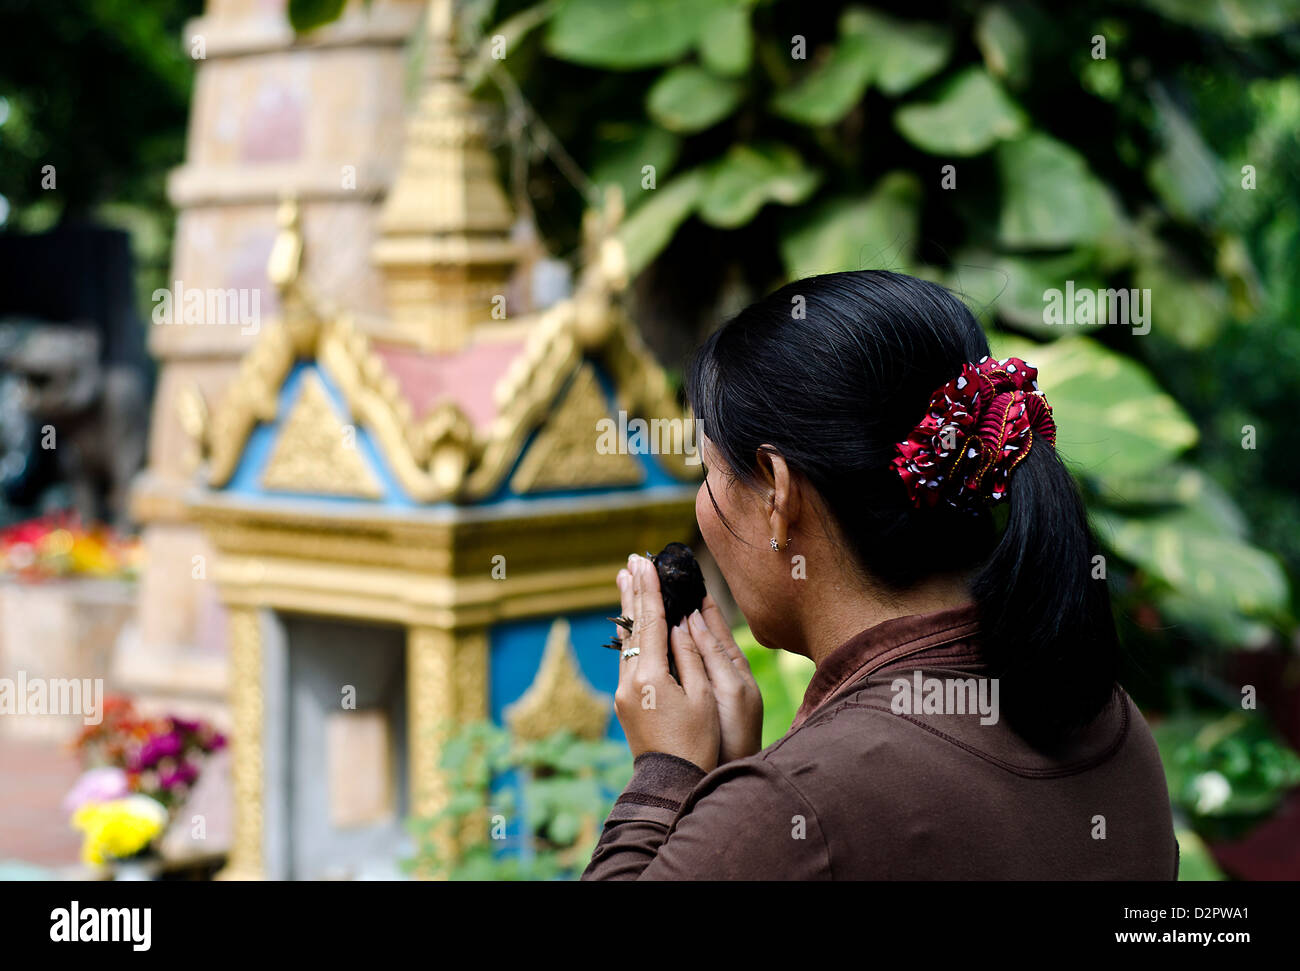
862,788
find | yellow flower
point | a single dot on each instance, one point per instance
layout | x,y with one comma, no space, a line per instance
119,828
89,554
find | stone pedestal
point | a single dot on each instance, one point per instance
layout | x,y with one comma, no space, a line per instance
58,631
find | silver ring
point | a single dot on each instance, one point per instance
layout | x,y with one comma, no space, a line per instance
631,652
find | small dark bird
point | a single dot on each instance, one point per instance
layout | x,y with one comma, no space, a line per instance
682,584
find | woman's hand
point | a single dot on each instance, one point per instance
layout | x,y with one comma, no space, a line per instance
740,704
657,713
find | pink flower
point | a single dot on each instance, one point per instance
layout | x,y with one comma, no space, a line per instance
183,775
96,785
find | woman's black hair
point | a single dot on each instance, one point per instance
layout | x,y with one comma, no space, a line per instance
832,371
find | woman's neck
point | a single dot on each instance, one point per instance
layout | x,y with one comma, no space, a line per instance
849,606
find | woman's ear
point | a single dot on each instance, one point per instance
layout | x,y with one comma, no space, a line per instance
784,496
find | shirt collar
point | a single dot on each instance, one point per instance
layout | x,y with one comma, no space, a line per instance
888,641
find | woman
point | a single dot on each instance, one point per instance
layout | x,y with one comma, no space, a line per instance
963,720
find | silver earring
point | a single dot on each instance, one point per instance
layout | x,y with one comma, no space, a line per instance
775,548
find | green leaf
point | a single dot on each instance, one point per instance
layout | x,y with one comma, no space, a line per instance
1210,621
832,88
782,679
1014,286
1218,572
688,98
1185,173
650,228
905,53
1213,567
1188,310
750,176
971,114
307,15
1198,501
726,41
1251,766
1049,197
896,55
512,31
851,233
1195,861
564,828
625,149
1004,43
1233,18
1112,419
630,35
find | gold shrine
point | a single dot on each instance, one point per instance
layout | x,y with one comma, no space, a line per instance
436,471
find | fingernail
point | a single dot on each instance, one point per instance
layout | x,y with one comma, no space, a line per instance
631,561
697,619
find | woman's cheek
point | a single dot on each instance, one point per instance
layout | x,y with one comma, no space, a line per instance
712,530
706,516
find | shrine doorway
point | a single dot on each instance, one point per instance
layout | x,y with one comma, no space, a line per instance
335,749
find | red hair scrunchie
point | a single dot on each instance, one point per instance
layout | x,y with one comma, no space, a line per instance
978,427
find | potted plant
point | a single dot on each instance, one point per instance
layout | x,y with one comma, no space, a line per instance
138,771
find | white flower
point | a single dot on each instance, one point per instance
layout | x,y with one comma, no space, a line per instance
1212,790
146,807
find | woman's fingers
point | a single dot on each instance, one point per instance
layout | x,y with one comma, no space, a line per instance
627,637
713,652
624,581
740,705
650,631
690,662
717,625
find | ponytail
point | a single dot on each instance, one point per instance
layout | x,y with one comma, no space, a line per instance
1046,622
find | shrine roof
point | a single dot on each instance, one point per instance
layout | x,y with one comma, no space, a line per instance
514,415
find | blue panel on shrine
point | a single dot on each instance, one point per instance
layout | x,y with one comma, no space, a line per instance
247,479
515,652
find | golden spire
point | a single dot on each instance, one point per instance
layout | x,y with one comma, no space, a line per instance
444,248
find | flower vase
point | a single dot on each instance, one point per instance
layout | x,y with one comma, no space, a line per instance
137,868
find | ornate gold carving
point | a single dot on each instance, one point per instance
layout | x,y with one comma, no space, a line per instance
472,674
430,458
250,399
313,453
472,658
559,696
431,665
592,323
565,454
246,704
431,711
285,262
